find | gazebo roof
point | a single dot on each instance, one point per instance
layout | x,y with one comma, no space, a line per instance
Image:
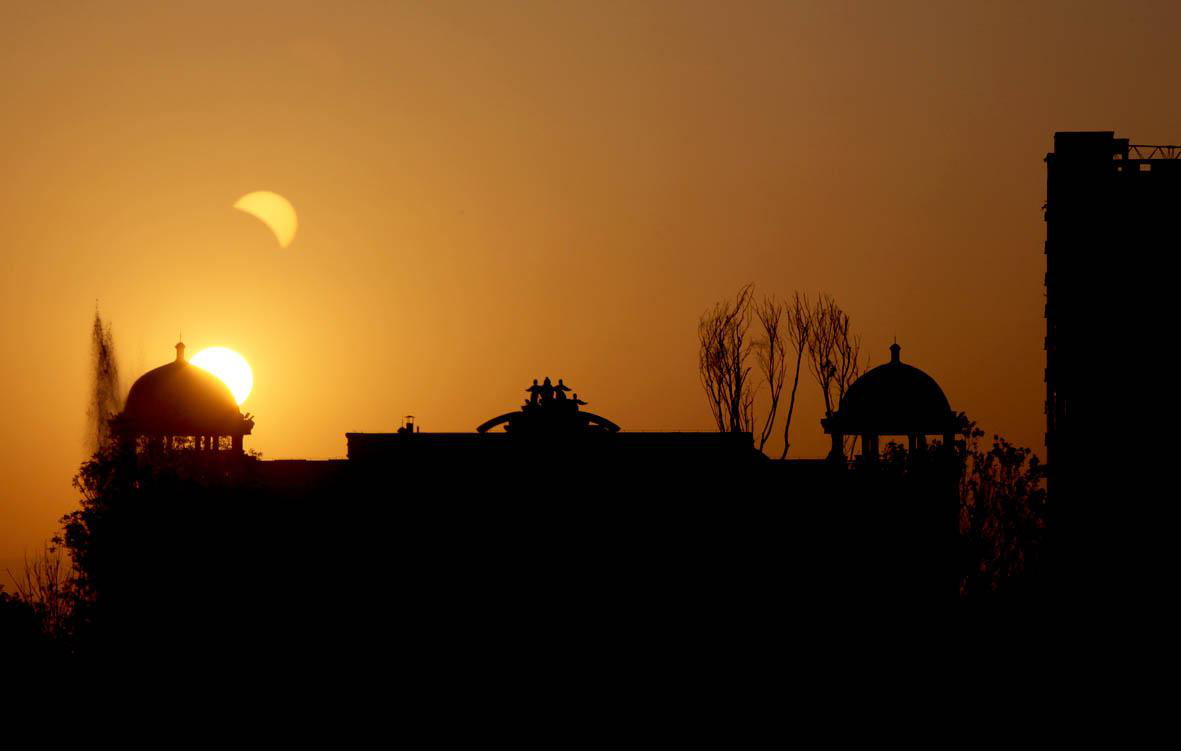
893,399
182,399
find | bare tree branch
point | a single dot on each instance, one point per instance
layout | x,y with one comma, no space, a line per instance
46,586
722,362
771,353
817,332
834,356
822,346
799,329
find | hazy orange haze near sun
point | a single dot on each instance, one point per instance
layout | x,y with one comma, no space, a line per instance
492,192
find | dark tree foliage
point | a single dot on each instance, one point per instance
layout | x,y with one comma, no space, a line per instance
159,547
1002,519
47,586
1002,513
108,484
27,648
19,625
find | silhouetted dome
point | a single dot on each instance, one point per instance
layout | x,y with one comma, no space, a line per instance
181,399
894,399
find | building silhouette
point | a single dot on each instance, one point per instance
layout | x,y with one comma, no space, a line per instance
1110,238
1110,208
550,444
543,512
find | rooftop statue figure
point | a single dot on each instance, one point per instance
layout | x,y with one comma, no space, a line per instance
548,410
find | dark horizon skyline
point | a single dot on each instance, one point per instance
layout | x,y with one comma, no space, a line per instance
489,194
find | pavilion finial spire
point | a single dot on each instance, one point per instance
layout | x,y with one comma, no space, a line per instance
180,351
895,351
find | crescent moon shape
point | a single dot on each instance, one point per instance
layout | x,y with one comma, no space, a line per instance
274,211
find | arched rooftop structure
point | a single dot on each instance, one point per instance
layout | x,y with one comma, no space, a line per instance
892,399
180,405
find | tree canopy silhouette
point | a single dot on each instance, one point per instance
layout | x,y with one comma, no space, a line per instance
1002,518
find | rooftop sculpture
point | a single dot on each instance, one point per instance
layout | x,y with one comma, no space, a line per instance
549,410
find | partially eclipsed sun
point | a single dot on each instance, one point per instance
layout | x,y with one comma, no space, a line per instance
230,367
273,210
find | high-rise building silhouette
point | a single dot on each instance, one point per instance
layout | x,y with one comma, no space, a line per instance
1111,236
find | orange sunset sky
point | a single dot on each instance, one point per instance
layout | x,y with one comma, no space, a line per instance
490,192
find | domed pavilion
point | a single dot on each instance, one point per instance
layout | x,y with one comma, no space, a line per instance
181,406
894,399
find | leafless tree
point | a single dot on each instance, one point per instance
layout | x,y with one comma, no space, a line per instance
722,363
834,355
798,330
817,332
106,398
46,586
771,353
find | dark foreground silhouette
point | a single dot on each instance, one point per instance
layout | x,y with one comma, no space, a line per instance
550,555
560,544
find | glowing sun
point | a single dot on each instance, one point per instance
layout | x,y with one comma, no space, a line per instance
273,210
230,367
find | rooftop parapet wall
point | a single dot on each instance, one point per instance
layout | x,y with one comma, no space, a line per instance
478,447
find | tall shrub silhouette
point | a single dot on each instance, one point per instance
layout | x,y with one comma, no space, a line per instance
1002,517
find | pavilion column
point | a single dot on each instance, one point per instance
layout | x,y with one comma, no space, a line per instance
238,443
869,447
838,447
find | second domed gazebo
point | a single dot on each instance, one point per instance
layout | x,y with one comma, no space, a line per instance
182,406
892,399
